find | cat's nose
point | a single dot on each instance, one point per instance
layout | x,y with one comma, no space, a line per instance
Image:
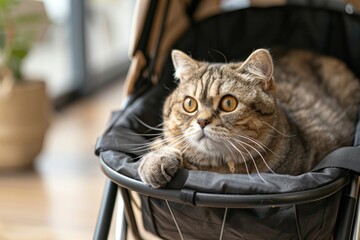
203,122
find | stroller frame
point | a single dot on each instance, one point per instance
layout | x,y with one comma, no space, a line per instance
348,220
347,223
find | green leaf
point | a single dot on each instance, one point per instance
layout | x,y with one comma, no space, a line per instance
2,39
6,4
15,60
19,29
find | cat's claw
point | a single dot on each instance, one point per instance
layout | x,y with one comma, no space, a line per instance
157,168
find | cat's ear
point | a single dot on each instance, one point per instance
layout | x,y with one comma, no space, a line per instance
260,66
184,65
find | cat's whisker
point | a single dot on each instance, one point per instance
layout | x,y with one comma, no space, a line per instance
173,141
162,141
231,151
180,139
238,150
139,146
187,143
143,134
282,134
261,156
234,156
148,126
146,144
179,142
186,146
139,150
260,144
160,125
252,158
159,141
169,142
243,157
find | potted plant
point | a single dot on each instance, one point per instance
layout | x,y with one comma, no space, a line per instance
24,104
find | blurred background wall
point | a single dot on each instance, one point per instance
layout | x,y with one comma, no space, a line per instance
84,47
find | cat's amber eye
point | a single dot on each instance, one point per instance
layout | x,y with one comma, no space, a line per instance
228,103
190,104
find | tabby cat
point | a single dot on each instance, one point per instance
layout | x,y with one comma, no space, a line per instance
249,117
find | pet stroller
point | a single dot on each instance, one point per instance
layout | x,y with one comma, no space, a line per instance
321,204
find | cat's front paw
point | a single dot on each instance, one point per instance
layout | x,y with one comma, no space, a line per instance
158,167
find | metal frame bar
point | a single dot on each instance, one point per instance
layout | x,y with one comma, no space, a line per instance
346,219
106,211
227,200
121,227
356,227
129,213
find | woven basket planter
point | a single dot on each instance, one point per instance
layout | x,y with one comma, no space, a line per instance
24,119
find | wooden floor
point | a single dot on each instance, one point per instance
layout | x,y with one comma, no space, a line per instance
60,197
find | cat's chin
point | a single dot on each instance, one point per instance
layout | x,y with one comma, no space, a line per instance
206,141
209,146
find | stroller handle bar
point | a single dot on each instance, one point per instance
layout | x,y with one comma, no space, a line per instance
188,196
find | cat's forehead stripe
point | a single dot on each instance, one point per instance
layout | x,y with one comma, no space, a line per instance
199,88
198,84
215,88
208,79
213,81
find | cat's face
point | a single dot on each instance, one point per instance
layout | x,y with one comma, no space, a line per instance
218,108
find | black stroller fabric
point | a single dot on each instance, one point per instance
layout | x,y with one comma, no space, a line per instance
303,221
327,32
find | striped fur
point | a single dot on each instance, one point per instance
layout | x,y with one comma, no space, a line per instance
286,119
